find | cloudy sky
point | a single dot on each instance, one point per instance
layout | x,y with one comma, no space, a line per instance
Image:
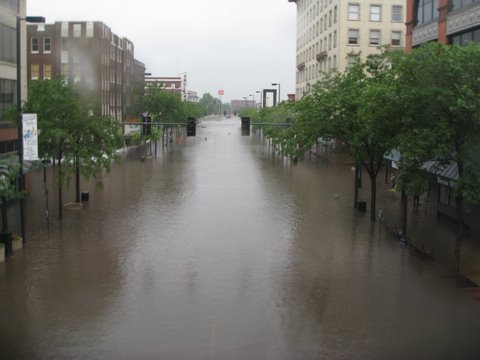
239,46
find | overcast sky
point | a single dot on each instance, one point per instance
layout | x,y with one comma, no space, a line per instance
239,46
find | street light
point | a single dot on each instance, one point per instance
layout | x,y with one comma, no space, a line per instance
277,84
21,180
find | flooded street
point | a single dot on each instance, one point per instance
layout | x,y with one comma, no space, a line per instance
217,249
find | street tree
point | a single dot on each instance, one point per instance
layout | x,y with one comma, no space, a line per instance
357,107
442,118
70,132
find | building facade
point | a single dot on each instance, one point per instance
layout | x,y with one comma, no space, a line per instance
175,84
329,31
10,11
445,21
91,55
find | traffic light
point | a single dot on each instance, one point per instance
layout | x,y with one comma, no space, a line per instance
147,127
245,126
191,126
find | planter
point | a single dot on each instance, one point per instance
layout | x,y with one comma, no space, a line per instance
2,252
17,242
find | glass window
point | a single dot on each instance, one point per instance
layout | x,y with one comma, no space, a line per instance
426,10
354,12
47,71
34,48
396,38
35,72
47,45
8,95
353,35
77,30
374,39
397,13
8,41
375,13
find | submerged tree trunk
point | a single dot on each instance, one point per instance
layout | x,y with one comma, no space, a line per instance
460,234
373,196
60,182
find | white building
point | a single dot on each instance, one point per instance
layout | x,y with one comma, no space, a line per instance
10,11
329,30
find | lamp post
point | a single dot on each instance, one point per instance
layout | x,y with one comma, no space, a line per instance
277,84
21,176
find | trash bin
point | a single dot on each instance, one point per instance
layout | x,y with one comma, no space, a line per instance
362,206
85,195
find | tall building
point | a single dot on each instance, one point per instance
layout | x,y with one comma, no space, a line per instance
90,54
329,31
446,21
10,11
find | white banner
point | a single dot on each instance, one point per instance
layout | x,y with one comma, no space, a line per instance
30,137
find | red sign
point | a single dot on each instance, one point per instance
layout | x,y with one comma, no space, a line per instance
221,92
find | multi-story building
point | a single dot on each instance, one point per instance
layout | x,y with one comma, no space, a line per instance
175,84
329,31
90,54
446,21
10,11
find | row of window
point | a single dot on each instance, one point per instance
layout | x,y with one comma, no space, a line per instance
35,71
10,4
8,41
374,37
8,95
427,10
35,44
375,12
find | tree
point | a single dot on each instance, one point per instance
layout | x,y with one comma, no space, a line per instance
357,107
210,104
70,133
163,105
443,85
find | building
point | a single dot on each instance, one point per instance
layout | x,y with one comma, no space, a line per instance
91,55
237,105
10,11
446,21
176,84
328,31
192,96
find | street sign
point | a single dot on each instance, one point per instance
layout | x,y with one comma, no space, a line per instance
30,137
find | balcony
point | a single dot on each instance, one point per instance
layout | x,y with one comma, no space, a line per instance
321,55
301,66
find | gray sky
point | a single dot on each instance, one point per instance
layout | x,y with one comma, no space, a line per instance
239,46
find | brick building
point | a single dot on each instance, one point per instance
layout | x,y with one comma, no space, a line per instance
446,21
91,55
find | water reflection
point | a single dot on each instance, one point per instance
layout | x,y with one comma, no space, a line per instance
219,249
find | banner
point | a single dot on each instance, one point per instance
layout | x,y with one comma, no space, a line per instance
30,137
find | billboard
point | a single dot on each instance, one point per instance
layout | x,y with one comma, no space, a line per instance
221,92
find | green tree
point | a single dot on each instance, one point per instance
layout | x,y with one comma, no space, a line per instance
164,106
357,107
70,133
210,104
442,117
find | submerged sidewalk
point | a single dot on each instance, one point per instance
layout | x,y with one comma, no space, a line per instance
434,235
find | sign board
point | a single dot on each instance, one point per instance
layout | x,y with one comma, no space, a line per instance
30,137
221,92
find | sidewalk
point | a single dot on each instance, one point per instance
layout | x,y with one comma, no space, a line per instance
425,231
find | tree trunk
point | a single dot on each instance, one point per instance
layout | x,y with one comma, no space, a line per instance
356,184
404,215
77,180
60,181
460,234
373,197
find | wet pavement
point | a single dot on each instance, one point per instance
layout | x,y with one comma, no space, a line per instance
218,249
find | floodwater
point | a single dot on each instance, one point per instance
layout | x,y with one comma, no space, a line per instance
217,249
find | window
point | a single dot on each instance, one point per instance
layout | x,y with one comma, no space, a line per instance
8,95
397,13
47,45
426,10
374,38
8,47
396,38
10,4
35,72
64,71
353,35
375,13
354,12
47,71
34,48
77,30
